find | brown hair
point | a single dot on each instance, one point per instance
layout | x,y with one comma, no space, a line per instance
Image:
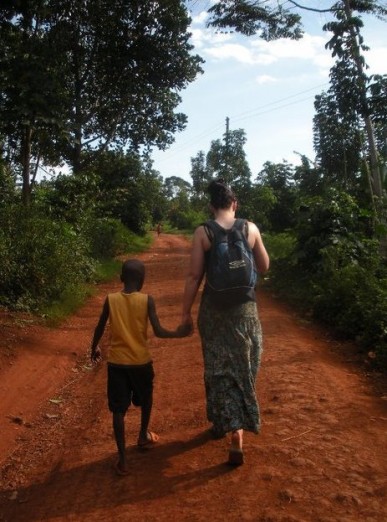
221,195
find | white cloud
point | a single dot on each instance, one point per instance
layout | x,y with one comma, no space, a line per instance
200,18
205,38
309,48
376,58
223,47
238,52
265,78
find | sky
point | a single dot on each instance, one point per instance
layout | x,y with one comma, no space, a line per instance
265,88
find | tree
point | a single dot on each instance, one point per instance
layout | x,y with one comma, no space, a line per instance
347,44
338,143
95,75
176,187
200,178
279,177
273,20
227,159
30,90
270,20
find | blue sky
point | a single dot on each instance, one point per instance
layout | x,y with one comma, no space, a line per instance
267,89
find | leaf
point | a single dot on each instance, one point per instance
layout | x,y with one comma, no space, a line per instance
56,401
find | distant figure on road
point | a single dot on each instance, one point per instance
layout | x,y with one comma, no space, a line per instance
228,322
158,229
129,362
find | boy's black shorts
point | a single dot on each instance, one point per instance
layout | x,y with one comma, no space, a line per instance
129,384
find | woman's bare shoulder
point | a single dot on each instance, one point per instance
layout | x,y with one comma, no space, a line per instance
253,229
201,237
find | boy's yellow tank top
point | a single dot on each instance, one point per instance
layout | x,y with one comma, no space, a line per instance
128,317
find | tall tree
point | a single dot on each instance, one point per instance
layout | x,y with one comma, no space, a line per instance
95,74
338,143
347,44
31,104
274,20
227,159
200,177
279,177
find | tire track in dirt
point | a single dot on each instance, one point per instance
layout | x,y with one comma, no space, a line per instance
321,455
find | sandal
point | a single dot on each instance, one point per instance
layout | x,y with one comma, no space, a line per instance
152,438
235,457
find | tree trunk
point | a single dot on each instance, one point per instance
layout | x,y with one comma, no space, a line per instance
26,158
373,152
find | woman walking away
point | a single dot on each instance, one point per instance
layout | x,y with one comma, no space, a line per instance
230,252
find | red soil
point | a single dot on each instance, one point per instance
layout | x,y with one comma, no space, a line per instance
321,455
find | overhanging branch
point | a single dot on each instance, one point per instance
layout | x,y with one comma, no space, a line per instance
312,8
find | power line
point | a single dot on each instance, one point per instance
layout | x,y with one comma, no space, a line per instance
240,115
263,109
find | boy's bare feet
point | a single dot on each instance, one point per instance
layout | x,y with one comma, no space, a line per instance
148,440
121,469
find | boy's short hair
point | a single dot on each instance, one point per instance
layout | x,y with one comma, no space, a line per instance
133,270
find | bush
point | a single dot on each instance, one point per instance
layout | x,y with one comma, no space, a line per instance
108,238
39,259
345,288
280,246
186,219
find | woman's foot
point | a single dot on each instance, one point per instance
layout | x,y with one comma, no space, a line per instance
235,455
237,440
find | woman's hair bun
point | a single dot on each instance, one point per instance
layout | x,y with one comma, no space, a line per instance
221,195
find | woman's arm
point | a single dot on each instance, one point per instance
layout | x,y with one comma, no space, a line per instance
195,274
260,254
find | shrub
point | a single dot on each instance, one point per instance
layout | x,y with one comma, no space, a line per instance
40,259
107,238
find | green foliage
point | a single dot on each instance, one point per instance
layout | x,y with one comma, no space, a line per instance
335,273
279,246
108,238
106,270
228,160
39,259
186,219
7,185
280,195
249,18
71,299
74,297
77,77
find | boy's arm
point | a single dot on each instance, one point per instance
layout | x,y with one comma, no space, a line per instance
159,331
98,332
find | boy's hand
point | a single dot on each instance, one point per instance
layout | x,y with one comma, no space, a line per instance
96,355
185,329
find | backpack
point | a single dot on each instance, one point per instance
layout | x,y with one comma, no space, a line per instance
231,274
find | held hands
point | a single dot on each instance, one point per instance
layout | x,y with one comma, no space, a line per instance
96,355
184,330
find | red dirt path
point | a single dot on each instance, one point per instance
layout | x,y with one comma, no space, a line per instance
321,456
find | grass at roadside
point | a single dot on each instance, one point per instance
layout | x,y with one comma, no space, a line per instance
105,270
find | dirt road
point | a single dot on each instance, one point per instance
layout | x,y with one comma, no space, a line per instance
321,456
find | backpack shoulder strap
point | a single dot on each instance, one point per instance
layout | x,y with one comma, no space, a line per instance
209,230
243,226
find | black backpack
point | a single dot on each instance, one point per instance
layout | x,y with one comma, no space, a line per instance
231,274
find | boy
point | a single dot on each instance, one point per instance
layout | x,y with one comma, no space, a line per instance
130,369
